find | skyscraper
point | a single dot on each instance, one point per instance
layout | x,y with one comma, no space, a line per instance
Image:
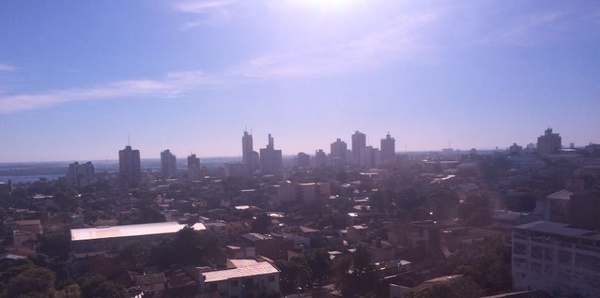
549,143
193,165
248,154
388,150
168,164
130,170
271,162
359,142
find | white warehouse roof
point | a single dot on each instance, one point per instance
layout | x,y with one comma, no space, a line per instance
130,230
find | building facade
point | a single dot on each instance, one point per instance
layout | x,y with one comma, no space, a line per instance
193,166
271,160
80,175
549,143
130,169
168,164
388,150
556,258
359,142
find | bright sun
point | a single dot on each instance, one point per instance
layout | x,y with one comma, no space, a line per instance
328,5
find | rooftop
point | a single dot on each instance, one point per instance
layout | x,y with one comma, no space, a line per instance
244,268
560,229
130,230
561,195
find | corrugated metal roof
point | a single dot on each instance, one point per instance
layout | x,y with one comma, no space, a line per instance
130,230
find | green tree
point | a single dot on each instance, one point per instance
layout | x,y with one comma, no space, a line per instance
459,287
490,266
33,282
355,275
96,286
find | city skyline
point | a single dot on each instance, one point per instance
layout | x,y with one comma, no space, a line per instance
78,79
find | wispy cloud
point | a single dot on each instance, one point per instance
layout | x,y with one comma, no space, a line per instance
202,6
173,85
400,40
7,68
206,12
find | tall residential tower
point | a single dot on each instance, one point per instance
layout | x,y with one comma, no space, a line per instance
130,169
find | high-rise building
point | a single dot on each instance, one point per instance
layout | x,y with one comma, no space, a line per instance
549,143
338,153
193,165
370,157
388,150
130,169
80,175
320,158
168,164
271,162
249,156
303,160
359,142
338,149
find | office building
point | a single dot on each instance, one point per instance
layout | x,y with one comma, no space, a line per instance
168,164
193,165
271,162
388,150
557,258
549,143
80,175
130,170
359,142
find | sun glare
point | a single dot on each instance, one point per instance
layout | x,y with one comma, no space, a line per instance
328,5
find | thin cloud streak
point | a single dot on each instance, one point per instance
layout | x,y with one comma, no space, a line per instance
202,6
174,85
7,68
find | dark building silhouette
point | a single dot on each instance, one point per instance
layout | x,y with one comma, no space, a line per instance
303,160
549,143
80,175
249,156
130,170
359,143
271,161
193,165
388,150
168,164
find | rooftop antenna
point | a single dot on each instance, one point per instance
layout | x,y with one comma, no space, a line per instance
128,141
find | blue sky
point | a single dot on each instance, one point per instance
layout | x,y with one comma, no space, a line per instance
78,78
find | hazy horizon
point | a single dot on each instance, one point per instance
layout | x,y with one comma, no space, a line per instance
77,80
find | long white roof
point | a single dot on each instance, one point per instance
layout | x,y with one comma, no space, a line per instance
130,230
245,268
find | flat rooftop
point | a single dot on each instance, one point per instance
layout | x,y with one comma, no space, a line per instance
556,228
130,230
244,268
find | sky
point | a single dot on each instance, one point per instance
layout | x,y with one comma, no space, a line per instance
79,80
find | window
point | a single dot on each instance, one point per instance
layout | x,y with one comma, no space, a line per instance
271,278
234,282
